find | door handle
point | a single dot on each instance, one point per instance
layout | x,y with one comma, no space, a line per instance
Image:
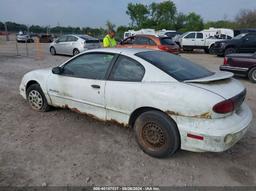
95,86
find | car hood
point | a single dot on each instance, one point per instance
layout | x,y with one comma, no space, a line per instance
221,83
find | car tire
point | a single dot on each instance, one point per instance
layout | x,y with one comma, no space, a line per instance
157,134
36,98
252,75
75,52
52,51
211,50
230,50
206,50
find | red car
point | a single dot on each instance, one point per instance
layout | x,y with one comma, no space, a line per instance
154,42
241,64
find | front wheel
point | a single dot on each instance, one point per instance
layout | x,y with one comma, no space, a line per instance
157,134
52,51
252,75
36,98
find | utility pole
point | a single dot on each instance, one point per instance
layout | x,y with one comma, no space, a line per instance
6,32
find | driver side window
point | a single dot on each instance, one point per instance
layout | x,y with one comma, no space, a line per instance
191,35
90,66
62,39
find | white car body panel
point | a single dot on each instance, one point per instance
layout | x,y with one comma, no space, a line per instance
188,104
68,47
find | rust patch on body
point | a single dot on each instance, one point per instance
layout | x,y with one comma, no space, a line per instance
112,121
206,115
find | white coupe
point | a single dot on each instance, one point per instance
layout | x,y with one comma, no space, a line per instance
170,102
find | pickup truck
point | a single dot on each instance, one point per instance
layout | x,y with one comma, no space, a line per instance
197,40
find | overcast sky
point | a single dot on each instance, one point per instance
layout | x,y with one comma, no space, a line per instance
95,13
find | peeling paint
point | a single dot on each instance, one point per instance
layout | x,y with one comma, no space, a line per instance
206,115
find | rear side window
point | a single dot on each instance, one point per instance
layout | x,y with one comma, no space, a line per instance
167,41
71,39
143,41
191,35
179,68
199,35
127,69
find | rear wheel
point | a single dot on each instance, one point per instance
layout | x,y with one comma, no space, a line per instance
75,52
252,75
52,51
156,134
36,98
230,51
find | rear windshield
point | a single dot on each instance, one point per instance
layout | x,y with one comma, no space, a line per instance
240,36
92,41
179,68
167,41
89,39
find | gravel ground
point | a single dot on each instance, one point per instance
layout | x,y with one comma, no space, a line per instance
61,147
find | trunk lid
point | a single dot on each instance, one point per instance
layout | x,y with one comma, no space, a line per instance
220,83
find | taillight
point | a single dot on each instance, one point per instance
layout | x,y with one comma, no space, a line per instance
225,61
162,47
224,106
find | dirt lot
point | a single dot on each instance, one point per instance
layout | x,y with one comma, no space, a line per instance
65,148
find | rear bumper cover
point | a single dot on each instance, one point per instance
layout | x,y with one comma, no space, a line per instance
218,134
236,70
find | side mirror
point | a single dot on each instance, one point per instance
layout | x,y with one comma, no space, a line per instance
57,70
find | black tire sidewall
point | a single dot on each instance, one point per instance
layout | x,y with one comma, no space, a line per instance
74,52
228,50
37,87
168,126
52,48
250,74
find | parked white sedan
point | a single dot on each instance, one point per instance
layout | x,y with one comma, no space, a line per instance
170,102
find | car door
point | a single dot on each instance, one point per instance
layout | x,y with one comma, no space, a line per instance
248,44
189,40
60,45
81,85
199,40
71,44
122,88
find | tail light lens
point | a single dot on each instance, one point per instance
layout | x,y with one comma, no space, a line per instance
225,61
162,47
224,106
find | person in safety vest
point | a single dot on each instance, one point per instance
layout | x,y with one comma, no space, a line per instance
109,40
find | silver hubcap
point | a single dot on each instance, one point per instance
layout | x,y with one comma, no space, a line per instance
35,99
52,51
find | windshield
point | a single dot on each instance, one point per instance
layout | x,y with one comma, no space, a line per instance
184,34
179,68
240,36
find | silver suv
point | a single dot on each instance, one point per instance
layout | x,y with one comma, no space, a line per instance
73,44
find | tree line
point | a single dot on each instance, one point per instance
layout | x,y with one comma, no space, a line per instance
162,15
